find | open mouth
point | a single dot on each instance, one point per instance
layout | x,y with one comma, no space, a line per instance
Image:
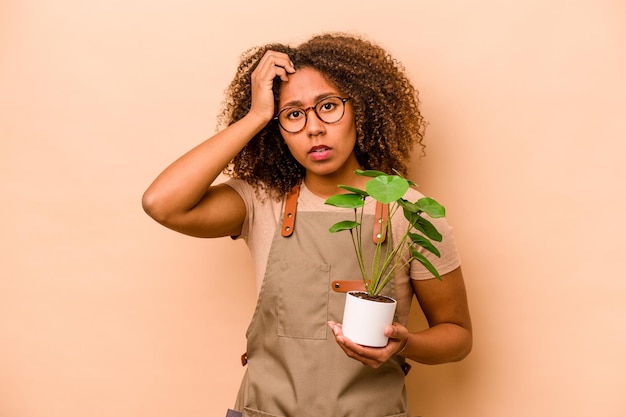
319,152
319,149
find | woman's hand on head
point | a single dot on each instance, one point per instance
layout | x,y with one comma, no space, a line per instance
273,64
371,356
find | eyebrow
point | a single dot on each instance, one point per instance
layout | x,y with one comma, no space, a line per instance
298,103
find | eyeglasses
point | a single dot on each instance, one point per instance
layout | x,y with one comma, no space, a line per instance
329,110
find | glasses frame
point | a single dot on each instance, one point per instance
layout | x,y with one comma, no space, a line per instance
314,108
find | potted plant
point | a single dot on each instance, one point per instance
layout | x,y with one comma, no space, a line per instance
388,258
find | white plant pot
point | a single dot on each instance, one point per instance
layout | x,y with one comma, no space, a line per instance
364,320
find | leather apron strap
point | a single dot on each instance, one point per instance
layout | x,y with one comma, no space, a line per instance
289,216
291,205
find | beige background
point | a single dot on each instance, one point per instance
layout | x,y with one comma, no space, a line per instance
105,313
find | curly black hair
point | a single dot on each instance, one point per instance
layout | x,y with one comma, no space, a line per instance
386,107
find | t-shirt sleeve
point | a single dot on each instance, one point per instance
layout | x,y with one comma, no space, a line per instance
450,258
246,192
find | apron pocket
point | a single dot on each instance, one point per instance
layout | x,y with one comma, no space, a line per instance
302,307
249,412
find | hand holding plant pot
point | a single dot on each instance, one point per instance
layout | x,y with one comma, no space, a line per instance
386,189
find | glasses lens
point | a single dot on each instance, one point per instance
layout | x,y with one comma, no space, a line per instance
292,119
330,109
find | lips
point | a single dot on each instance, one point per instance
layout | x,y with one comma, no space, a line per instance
319,152
319,148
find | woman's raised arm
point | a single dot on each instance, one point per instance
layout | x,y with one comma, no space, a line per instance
183,197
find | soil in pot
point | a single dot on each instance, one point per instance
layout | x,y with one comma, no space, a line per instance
378,298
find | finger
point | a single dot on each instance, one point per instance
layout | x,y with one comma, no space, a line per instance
277,59
281,73
276,64
352,351
269,71
369,356
373,357
396,331
283,61
349,347
282,70
288,67
398,337
336,328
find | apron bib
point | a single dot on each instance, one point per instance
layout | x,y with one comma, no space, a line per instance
295,367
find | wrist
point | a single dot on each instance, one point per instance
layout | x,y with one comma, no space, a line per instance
258,118
404,346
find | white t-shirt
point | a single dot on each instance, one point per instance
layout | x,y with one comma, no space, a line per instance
263,216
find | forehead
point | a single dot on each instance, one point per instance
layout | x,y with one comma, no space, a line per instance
305,86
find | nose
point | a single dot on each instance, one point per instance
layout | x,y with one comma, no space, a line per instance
314,124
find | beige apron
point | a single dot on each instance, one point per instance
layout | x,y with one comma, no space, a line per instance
295,367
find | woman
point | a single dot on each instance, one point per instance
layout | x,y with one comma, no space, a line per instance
304,119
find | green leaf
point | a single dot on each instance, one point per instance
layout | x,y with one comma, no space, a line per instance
387,188
408,206
346,201
425,243
343,225
412,217
424,261
411,183
431,207
424,226
369,173
354,190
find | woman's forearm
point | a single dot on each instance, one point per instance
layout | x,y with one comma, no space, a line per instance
445,342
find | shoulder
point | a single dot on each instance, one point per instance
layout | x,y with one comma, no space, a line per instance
252,194
243,188
262,210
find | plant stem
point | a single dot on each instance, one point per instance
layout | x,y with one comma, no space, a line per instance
358,246
382,278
